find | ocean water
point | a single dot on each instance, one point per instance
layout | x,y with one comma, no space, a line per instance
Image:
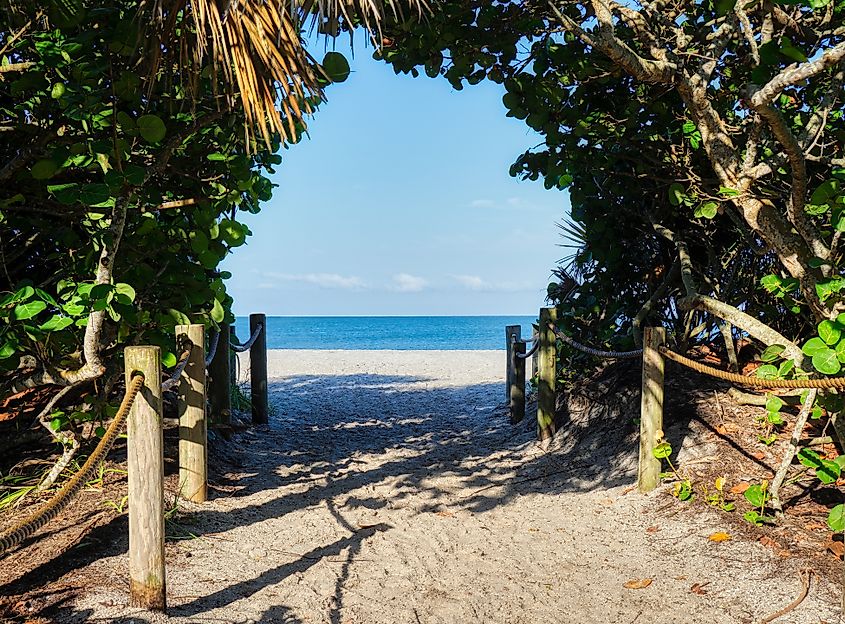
387,332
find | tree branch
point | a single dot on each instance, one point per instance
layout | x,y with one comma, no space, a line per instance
794,74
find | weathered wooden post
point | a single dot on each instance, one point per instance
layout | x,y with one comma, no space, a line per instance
651,408
258,369
193,432
220,390
547,375
517,390
512,333
145,459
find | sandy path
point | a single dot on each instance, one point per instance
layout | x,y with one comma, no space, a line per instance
390,490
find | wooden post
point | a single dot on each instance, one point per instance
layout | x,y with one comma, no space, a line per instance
511,332
547,375
651,408
258,369
219,390
193,434
145,459
517,390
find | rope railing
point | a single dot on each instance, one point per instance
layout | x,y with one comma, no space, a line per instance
29,525
529,353
757,382
212,350
616,355
240,348
173,380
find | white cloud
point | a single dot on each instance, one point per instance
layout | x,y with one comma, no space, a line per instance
473,282
323,280
482,203
403,282
476,283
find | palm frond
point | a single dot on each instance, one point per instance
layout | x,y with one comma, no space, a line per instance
256,49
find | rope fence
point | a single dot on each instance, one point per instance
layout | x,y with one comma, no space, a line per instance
212,348
20,531
653,355
615,355
173,380
202,380
756,382
240,348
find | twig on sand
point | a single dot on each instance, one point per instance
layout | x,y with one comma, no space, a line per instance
805,574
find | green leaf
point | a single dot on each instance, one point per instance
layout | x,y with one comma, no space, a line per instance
826,362
217,312
27,310
753,517
151,128
21,294
825,192
809,458
828,472
676,194
728,192
707,210
94,194
64,193
788,49
7,350
168,359
125,290
774,403
775,418
756,495
813,346
336,66
767,371
662,450
56,323
830,332
772,352
785,368
44,169
836,518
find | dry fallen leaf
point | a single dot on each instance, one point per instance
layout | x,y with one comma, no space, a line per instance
652,529
637,583
445,514
837,548
719,536
698,588
759,455
739,488
815,526
768,541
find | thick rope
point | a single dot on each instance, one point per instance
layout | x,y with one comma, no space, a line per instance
616,355
825,382
212,351
177,372
29,525
248,344
530,352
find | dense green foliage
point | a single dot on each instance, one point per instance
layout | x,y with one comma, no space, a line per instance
636,149
105,158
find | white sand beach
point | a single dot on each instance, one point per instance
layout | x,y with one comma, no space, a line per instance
390,489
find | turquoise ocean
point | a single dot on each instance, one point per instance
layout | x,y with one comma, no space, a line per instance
387,332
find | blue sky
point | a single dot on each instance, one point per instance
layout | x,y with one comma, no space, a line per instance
400,203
